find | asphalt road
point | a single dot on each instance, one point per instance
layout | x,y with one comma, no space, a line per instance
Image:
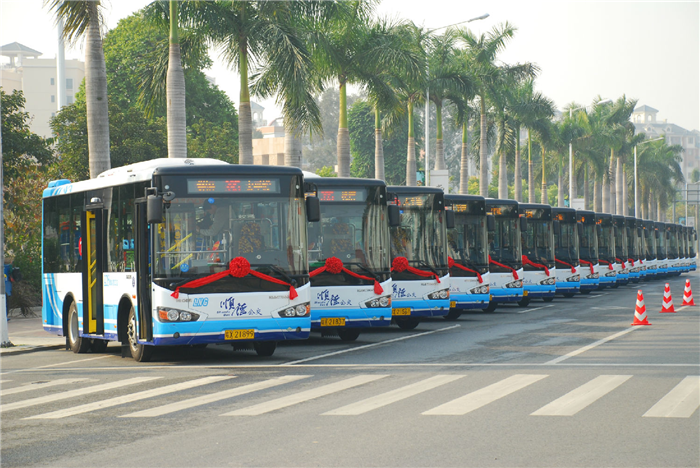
567,383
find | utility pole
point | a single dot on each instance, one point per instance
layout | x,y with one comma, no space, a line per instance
4,334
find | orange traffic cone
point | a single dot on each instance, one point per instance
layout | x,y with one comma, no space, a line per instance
640,311
667,306
688,295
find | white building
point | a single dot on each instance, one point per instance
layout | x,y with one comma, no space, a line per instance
37,79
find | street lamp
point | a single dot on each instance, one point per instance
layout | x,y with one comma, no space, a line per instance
636,204
427,98
571,152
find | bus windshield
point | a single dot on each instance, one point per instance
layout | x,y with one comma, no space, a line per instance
567,243
467,241
673,245
421,237
649,244
632,247
606,246
588,249
538,241
621,243
661,244
200,236
504,242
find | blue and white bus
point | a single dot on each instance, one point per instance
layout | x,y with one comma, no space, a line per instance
505,252
686,259
650,262
468,254
419,264
566,251
539,269
692,248
349,257
672,250
632,256
590,269
606,250
177,252
621,263
661,249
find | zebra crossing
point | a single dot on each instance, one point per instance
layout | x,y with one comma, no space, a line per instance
682,401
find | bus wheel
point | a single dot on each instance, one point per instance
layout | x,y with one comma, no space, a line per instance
98,346
407,323
548,299
491,307
453,314
139,352
569,295
585,291
524,301
265,348
349,334
77,344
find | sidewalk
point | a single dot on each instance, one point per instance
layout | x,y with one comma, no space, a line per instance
27,335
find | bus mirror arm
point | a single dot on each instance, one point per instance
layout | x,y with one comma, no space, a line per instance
394,215
557,228
579,226
154,209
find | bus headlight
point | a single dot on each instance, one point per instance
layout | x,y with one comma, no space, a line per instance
574,279
480,290
299,310
442,294
385,301
176,315
515,284
549,281
593,276
611,274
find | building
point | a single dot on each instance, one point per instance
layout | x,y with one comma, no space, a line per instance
269,150
644,120
37,78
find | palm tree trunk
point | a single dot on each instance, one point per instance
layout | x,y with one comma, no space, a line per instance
464,162
560,185
411,152
586,189
659,212
483,161
245,119
518,182
175,84
292,146
543,195
96,96
613,183
606,194
598,196
502,176
619,202
530,171
439,143
378,147
343,146
625,193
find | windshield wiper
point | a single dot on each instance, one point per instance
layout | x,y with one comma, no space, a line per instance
364,268
430,268
282,273
187,280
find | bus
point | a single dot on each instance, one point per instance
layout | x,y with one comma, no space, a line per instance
650,262
177,252
419,266
662,237
692,248
606,250
566,251
539,270
621,263
588,251
468,254
672,250
633,246
683,230
349,250
505,253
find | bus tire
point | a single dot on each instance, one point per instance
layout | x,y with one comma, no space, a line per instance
585,291
139,352
265,348
491,307
77,344
548,299
569,295
407,323
98,346
349,334
453,314
524,301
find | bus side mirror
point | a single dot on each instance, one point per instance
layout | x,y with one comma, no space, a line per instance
579,227
656,234
557,228
668,235
449,219
639,232
313,209
490,223
627,230
154,209
394,216
696,236
599,230
615,230
523,224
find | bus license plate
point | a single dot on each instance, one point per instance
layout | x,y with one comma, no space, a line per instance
239,334
333,322
453,304
401,311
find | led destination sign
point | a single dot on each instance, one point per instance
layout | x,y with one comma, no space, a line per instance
221,186
343,195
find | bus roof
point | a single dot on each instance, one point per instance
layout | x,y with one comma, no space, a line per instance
500,201
137,172
603,216
416,190
342,181
464,198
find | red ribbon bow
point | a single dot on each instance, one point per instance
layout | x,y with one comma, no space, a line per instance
334,266
515,273
610,267
527,261
573,268
400,264
238,268
623,263
451,263
587,263
631,261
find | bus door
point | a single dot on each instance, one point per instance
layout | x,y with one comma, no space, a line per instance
92,250
143,271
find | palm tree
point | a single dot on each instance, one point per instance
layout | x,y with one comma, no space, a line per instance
82,18
177,120
659,174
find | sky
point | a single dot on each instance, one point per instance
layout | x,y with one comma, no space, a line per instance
645,50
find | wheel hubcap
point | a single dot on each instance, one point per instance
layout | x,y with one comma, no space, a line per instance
131,332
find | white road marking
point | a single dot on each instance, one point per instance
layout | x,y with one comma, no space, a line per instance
680,402
393,396
534,309
486,395
578,399
408,337
214,397
37,386
130,398
55,365
75,393
590,346
306,395
612,308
